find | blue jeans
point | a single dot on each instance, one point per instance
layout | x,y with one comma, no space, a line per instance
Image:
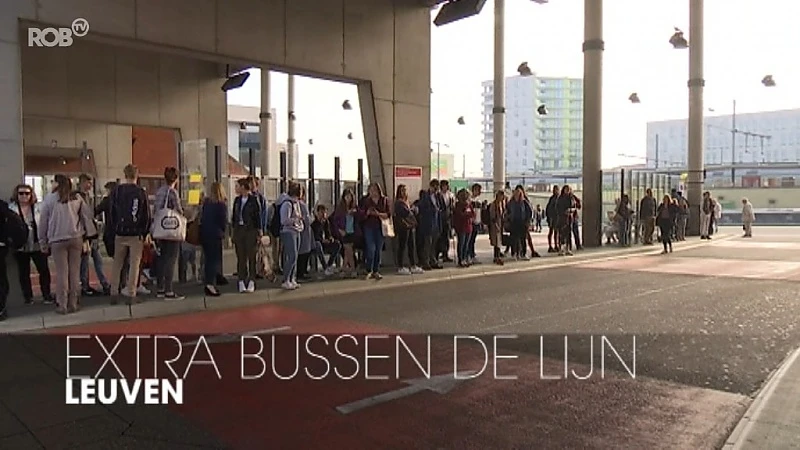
624,231
290,244
471,245
97,259
319,251
462,246
373,243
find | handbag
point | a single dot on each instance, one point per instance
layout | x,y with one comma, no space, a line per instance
168,224
86,247
387,227
193,229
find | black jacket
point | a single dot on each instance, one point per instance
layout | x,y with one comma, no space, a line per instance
551,211
322,230
251,214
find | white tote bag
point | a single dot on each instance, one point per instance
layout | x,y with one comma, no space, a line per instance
387,227
168,224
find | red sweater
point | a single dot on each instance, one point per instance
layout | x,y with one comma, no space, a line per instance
463,217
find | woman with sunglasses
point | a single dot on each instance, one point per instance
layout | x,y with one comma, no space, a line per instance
23,202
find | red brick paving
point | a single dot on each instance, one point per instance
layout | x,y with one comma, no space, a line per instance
615,412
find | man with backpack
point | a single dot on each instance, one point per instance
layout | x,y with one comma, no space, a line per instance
130,220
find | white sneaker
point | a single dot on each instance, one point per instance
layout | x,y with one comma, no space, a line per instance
417,270
403,271
295,284
141,290
368,276
242,287
329,271
251,286
288,286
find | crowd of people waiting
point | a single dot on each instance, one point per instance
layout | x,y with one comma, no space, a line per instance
287,237
669,217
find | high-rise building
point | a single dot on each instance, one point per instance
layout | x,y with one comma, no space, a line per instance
764,137
537,143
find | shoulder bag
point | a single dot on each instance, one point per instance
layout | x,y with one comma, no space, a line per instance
168,224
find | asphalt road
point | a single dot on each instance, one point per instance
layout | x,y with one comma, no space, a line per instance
710,325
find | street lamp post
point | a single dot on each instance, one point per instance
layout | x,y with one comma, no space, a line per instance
439,159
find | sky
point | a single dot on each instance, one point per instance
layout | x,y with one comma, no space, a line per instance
744,40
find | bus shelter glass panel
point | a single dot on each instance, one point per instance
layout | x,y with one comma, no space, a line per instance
194,174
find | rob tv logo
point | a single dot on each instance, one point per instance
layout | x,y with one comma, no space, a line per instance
57,37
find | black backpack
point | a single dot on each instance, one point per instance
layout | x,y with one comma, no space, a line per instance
16,229
131,213
275,220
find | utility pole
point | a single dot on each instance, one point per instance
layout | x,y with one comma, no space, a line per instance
733,145
439,160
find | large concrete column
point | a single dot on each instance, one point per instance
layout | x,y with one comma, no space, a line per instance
11,150
11,156
499,110
265,126
291,142
593,47
696,84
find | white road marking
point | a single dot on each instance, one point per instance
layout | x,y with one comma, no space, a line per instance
234,337
440,384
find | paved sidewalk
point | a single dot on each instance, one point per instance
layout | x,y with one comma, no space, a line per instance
33,318
773,419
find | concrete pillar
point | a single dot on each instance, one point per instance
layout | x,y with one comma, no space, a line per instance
11,150
593,47
11,155
696,84
499,110
265,127
291,142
